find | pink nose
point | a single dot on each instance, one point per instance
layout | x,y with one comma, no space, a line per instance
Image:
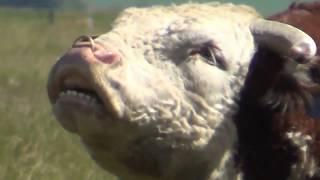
85,43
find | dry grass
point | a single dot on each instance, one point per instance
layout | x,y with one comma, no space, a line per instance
33,145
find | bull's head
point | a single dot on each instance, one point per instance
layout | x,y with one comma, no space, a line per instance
154,98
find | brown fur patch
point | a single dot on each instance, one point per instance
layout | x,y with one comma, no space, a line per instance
274,103
264,153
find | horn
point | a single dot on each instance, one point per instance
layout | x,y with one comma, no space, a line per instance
283,38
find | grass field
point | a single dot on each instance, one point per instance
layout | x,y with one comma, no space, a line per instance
32,144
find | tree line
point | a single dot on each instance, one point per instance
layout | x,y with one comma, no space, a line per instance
44,4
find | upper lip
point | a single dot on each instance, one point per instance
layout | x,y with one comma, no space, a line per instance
70,75
68,80
65,76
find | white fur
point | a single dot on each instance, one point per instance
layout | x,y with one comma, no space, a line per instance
173,112
188,103
307,164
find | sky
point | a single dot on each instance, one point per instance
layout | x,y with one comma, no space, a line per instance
263,6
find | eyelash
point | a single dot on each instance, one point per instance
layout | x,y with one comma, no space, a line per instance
207,53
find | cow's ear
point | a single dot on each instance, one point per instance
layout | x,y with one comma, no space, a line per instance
284,39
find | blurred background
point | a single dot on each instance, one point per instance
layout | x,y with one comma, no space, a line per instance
33,34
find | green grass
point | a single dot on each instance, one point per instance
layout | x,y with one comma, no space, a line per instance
32,144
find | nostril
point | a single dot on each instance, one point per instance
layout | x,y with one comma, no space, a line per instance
106,56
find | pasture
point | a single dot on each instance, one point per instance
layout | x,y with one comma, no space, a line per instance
32,144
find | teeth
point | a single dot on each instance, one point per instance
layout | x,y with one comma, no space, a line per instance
88,98
85,97
81,95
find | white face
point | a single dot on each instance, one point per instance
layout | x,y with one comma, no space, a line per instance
171,94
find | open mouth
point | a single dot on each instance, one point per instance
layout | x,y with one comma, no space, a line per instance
82,95
77,91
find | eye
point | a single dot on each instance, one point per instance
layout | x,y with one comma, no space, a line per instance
207,52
